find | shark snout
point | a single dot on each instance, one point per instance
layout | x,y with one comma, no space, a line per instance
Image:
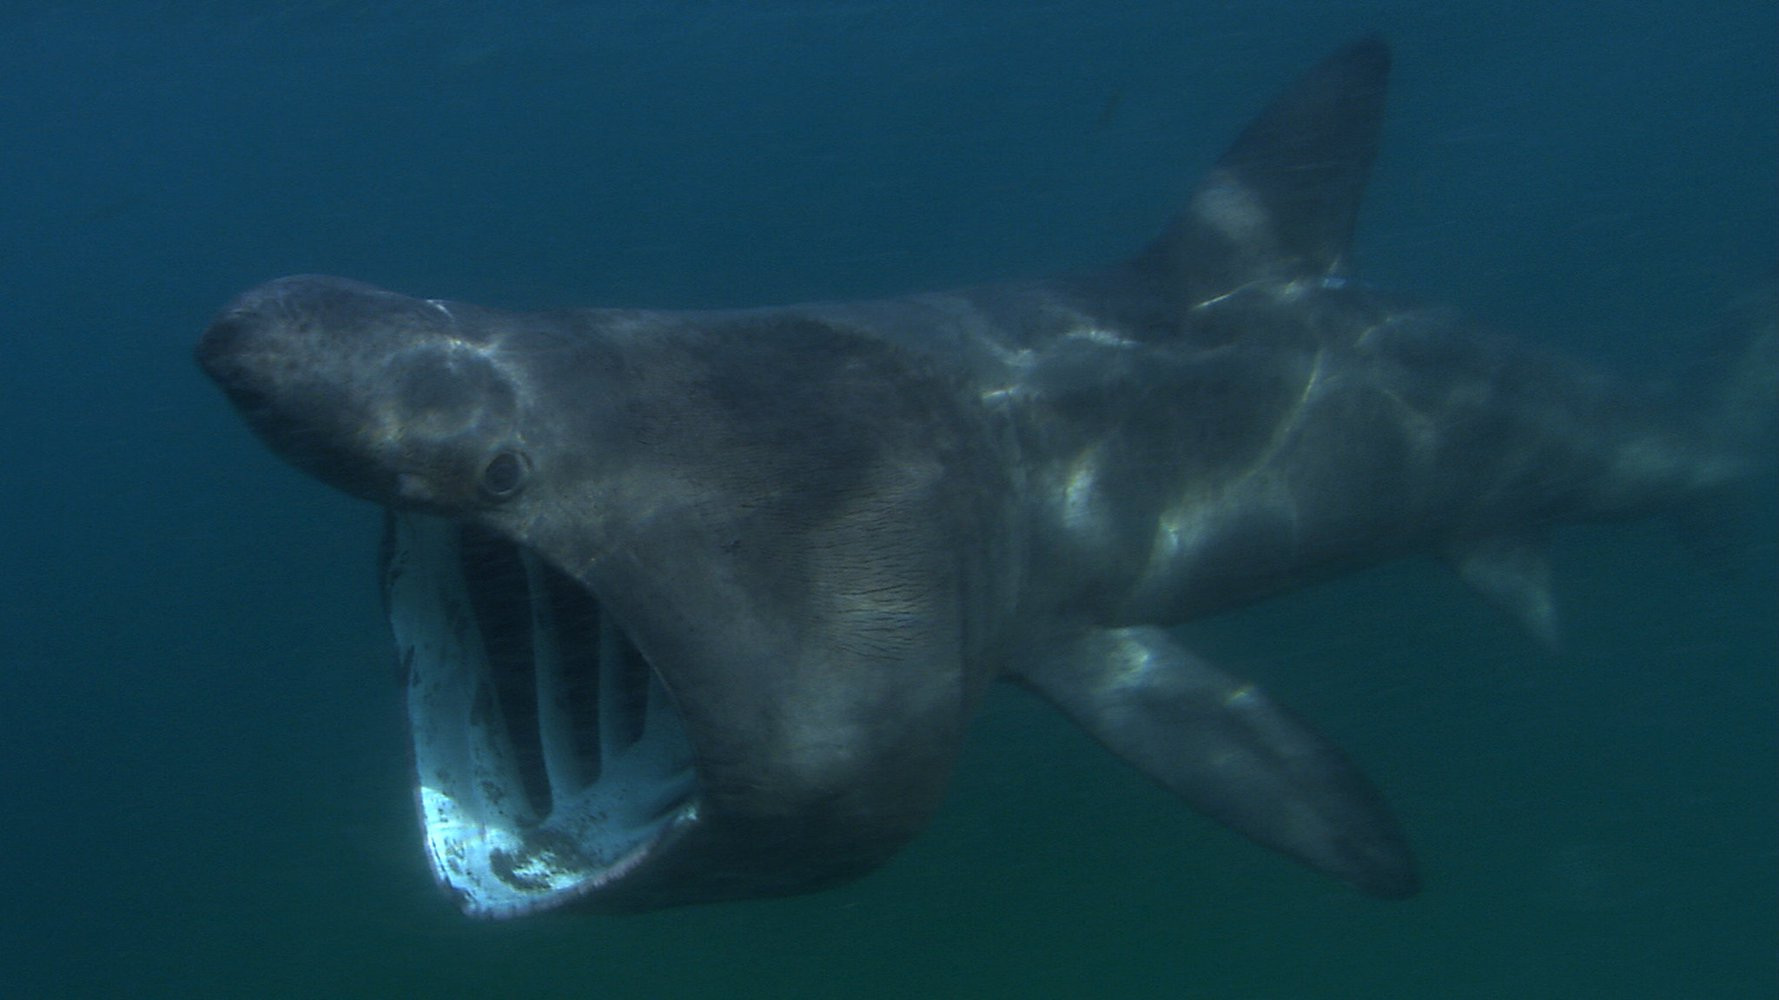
223,352
241,353
265,355
257,339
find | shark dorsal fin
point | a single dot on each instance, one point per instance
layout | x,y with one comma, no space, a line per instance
1282,202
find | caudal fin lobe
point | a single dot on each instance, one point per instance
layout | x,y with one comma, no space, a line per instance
1728,530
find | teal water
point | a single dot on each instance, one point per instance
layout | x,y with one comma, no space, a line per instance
205,788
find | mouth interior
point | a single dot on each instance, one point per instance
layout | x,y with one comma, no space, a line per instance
550,759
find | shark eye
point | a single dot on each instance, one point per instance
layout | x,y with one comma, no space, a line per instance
503,475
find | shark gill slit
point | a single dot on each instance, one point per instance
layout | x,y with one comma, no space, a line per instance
495,578
570,689
572,618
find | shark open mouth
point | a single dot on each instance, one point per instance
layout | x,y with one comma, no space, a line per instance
550,760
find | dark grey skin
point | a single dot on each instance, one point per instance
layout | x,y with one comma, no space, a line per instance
696,605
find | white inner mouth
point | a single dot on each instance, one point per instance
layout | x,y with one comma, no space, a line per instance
550,760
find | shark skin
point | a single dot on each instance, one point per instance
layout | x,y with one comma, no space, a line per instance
697,605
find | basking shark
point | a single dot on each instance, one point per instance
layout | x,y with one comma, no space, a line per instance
696,605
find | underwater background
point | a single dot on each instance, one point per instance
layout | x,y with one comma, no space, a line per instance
205,789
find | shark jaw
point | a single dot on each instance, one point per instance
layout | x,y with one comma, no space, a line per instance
550,761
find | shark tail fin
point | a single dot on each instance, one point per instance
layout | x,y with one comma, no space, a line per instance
1744,389
1281,204
1728,529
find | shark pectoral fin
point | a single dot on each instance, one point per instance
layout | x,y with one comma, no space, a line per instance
1513,574
1229,750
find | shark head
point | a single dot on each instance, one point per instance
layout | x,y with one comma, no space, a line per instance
676,626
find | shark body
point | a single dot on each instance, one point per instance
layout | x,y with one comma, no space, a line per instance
697,605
